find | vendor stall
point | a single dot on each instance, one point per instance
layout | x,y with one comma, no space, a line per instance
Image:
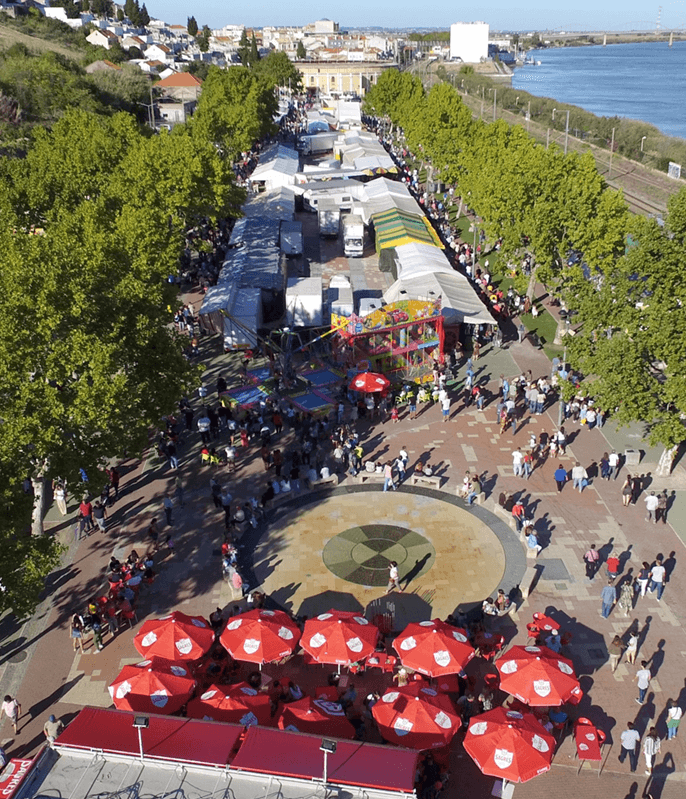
402,339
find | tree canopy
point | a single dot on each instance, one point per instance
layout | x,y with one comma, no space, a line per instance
92,222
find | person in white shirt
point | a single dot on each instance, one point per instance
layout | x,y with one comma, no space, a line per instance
651,506
674,714
657,579
393,578
517,461
629,740
614,465
325,473
579,475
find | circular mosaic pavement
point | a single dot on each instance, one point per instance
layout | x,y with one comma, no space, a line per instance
362,554
332,549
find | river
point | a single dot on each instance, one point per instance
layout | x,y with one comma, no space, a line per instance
644,81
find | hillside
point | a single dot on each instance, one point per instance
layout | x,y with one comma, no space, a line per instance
10,35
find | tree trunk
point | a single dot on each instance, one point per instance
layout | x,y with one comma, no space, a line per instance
666,463
459,210
532,284
40,503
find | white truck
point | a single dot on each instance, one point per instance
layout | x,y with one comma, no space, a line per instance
316,143
352,226
329,217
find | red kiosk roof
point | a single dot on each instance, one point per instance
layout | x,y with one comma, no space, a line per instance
289,754
167,738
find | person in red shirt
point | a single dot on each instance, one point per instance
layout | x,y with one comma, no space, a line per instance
519,514
85,516
613,566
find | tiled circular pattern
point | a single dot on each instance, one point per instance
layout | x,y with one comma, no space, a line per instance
362,554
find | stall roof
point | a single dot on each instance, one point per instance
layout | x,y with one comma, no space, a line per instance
393,228
255,231
167,738
280,166
216,299
383,194
276,204
296,755
424,272
258,268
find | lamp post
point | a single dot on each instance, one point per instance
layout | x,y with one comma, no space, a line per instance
643,138
329,748
141,723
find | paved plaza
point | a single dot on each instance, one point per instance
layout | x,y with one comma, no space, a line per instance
331,547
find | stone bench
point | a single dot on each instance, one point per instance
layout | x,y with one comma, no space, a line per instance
320,481
433,480
372,477
529,578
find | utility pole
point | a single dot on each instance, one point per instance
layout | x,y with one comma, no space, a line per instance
566,132
612,149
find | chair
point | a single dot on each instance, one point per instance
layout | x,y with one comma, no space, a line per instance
492,681
388,666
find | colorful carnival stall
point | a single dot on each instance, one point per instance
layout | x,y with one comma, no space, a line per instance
402,339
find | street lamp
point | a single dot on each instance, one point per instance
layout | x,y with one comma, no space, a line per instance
643,138
141,723
329,748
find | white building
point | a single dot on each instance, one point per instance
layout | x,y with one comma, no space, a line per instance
469,41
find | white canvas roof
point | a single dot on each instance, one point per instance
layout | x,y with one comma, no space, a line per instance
383,194
425,273
276,204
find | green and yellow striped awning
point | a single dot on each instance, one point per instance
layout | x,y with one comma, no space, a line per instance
394,228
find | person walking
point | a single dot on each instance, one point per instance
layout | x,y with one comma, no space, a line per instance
651,502
613,461
629,741
657,578
627,489
674,714
612,565
59,491
388,477
643,577
615,650
608,597
393,578
168,508
592,561
76,632
178,490
626,597
12,709
579,477
51,729
560,477
651,748
632,646
643,678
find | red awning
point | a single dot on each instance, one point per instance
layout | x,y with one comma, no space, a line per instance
296,755
206,743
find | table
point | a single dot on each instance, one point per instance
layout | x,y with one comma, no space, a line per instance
545,623
328,692
448,684
589,741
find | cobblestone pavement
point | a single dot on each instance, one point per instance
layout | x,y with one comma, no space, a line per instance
40,668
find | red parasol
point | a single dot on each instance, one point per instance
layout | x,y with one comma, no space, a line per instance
369,383
153,686
175,637
538,676
239,704
316,717
434,648
340,637
508,744
416,716
260,636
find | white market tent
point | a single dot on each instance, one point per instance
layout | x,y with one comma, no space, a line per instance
234,312
383,194
278,204
425,273
304,302
277,167
216,300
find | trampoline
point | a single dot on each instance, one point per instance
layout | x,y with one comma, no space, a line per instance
313,402
245,396
322,377
259,375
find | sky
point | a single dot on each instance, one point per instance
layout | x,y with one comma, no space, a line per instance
534,15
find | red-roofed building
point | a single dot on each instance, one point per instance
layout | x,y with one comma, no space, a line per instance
181,86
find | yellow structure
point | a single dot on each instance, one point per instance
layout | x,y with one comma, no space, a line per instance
341,77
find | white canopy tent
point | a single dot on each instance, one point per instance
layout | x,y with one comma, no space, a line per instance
425,273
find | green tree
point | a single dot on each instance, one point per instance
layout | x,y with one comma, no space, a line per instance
120,15
244,48
192,26
101,8
278,70
143,16
113,207
300,51
254,52
203,39
132,11
235,109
